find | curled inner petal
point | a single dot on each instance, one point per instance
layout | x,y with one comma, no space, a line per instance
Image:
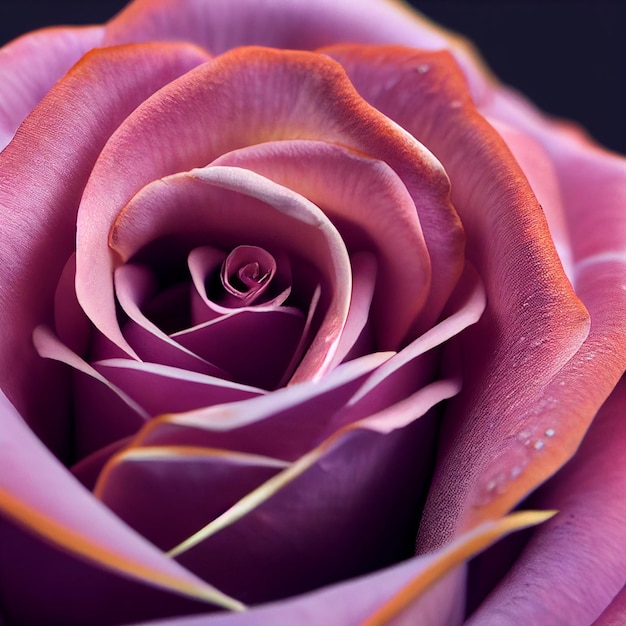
246,274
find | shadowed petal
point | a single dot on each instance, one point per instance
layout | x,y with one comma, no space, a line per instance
51,156
161,389
166,493
534,320
330,515
574,565
296,95
234,206
286,423
370,207
48,514
432,583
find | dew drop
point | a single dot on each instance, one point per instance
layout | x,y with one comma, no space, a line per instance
538,444
500,473
422,69
550,432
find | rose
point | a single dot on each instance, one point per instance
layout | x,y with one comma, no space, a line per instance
532,317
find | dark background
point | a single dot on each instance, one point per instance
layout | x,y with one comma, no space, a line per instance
569,57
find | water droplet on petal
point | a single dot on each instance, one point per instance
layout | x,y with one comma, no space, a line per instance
550,432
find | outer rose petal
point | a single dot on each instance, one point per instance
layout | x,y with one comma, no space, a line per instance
51,157
289,24
495,451
30,65
613,615
573,565
431,578
47,518
297,95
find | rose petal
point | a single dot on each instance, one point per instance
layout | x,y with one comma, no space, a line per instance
289,422
372,209
51,156
176,125
204,261
50,519
338,484
253,347
284,424
436,579
161,389
134,287
30,65
534,319
201,483
233,206
542,176
614,613
297,24
573,566
103,412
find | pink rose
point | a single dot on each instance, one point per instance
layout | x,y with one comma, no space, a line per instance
273,316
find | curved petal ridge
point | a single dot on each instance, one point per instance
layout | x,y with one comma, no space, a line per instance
534,318
31,64
85,528
372,209
383,423
39,227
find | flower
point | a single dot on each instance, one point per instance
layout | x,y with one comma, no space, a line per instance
285,289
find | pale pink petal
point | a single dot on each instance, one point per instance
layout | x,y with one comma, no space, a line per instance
48,518
574,565
30,65
51,157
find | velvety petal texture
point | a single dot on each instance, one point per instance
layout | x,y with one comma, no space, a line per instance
30,65
297,304
590,495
